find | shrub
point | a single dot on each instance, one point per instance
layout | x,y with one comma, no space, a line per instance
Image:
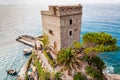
77,45
85,57
78,76
57,76
95,74
45,40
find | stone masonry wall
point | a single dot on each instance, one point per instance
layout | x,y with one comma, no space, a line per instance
67,39
62,24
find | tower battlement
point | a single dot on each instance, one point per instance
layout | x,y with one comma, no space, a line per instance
56,10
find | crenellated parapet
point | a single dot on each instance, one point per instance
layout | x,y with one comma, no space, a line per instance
63,10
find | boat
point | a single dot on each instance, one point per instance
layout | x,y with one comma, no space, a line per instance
27,51
11,72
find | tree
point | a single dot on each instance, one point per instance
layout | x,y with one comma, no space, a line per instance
99,38
69,60
99,42
93,42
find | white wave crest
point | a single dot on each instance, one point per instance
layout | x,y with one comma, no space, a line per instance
109,69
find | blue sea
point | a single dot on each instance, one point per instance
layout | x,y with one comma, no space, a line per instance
19,20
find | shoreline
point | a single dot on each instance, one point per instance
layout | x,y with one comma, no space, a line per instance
21,74
112,76
29,41
108,76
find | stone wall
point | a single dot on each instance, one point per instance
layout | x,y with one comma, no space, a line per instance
62,24
66,27
51,27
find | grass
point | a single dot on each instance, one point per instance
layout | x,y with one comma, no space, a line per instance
51,62
41,73
40,70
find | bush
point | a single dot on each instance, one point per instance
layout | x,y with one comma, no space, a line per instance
98,63
45,40
77,45
95,74
99,38
99,42
78,76
85,57
57,76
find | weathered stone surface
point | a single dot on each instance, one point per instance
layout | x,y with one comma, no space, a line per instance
62,24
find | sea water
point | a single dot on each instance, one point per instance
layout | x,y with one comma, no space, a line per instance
20,20
104,18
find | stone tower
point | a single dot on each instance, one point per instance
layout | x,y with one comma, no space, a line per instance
62,24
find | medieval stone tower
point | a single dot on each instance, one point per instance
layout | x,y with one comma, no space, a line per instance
62,24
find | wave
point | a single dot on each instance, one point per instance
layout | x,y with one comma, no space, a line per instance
109,70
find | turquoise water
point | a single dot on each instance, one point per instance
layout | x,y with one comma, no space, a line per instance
15,21
104,18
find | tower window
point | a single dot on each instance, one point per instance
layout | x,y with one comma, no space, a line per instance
70,33
51,32
70,21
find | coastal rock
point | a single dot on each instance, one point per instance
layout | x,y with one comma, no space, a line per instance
112,76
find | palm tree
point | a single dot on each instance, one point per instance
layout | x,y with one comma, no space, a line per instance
69,60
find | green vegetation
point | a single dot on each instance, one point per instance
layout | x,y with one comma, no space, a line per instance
78,56
101,48
57,76
69,60
45,40
94,61
77,45
93,73
99,42
41,73
74,57
51,62
99,38
86,57
79,76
